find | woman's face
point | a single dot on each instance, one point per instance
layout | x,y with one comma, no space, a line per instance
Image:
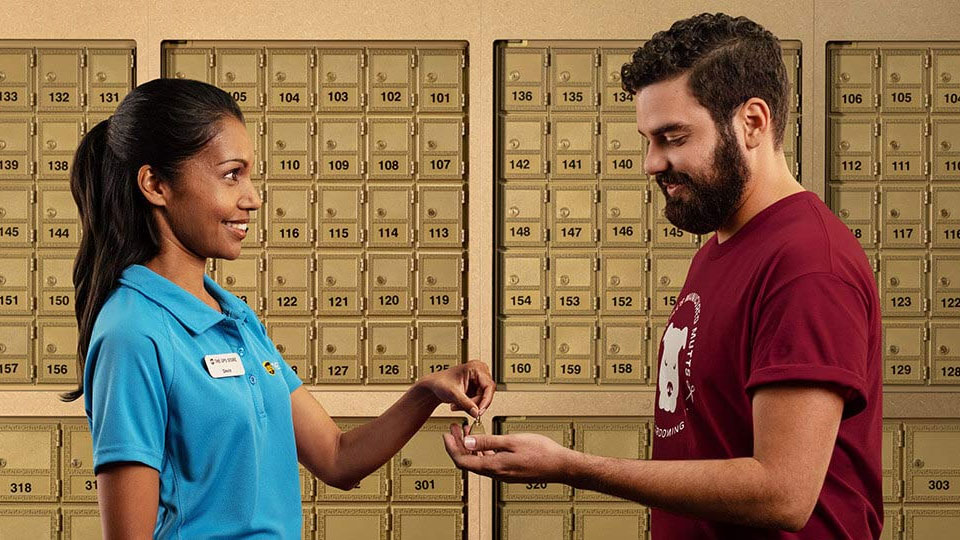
209,206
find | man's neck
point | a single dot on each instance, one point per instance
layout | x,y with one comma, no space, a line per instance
764,187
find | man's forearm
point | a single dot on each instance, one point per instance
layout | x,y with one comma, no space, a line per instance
740,491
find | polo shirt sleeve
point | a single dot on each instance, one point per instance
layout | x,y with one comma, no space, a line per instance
128,407
813,330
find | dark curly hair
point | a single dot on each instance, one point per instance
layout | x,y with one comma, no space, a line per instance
729,59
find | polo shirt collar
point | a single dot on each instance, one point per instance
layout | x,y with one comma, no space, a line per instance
185,307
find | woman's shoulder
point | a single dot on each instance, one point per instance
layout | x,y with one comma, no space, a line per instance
128,313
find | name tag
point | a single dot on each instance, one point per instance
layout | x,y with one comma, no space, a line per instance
224,365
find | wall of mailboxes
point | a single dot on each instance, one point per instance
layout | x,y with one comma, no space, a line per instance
343,133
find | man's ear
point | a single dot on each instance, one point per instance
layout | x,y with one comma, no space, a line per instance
757,122
155,190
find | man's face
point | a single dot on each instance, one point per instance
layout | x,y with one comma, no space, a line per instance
700,169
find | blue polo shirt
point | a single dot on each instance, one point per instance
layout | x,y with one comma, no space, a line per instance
224,447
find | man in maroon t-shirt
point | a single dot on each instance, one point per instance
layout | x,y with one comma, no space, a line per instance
768,410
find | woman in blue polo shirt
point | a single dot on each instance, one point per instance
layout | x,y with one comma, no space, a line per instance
197,422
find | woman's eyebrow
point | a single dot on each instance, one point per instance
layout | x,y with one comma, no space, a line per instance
245,162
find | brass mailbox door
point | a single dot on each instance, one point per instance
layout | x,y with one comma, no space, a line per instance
58,220
441,81
289,147
16,351
904,351
523,215
30,520
573,282
573,79
289,78
523,152
439,345
289,216
440,148
622,283
892,453
573,216
16,79
390,148
853,154
523,73
854,79
59,80
930,522
76,463
573,148
623,148
336,522
903,80
340,80
389,283
522,282
391,80
29,456
522,351
16,148
623,215
340,351
610,522
932,464
416,523
56,350
440,283
110,76
946,285
340,148
903,284
390,354
340,220
341,283
523,521
623,351
16,282
944,352
440,216
946,217
946,148
290,283
423,471
946,80
390,216
669,272
573,350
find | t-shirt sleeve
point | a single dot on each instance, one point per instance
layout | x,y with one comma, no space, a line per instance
813,330
128,400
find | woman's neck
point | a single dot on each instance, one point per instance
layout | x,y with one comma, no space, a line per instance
185,270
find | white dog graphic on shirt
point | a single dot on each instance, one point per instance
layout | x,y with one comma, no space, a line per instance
674,340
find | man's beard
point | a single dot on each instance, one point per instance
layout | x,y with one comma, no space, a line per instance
712,200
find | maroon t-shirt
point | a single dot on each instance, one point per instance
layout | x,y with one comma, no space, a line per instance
789,298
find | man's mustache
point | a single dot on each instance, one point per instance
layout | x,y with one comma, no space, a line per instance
673,177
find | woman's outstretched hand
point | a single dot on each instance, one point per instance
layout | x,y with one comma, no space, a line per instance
466,387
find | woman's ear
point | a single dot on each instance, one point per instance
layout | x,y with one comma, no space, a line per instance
155,190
